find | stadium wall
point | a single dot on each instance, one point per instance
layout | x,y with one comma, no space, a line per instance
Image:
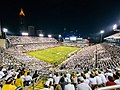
3,43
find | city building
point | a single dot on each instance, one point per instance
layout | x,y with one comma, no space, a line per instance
22,27
31,30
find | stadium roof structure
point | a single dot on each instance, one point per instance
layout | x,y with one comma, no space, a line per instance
114,36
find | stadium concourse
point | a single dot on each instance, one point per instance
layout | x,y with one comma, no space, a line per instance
89,68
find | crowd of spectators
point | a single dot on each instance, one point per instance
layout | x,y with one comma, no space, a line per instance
15,58
104,55
16,78
28,39
83,80
75,44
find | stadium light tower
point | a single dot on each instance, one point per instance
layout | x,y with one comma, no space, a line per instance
41,35
101,32
5,30
49,36
59,37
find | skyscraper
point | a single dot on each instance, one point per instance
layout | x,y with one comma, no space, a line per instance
23,27
31,30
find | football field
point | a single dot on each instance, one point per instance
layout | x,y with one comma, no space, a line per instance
52,55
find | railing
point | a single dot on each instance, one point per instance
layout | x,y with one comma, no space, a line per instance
117,87
35,81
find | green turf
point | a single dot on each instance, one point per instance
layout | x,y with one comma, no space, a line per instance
52,55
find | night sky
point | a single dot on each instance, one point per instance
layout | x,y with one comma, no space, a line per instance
83,17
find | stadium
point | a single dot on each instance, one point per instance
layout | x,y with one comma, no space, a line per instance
47,56
57,46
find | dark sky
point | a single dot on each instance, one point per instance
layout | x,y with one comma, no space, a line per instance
86,17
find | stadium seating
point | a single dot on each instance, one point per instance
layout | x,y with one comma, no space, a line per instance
28,39
107,57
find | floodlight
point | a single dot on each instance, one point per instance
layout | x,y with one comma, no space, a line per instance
49,36
5,30
102,31
24,34
41,35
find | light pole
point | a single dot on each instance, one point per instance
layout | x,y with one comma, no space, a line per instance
101,32
59,37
